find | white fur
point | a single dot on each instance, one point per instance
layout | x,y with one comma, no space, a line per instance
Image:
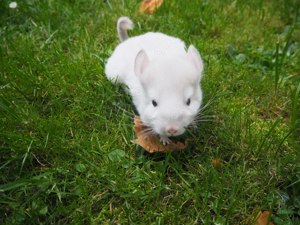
157,67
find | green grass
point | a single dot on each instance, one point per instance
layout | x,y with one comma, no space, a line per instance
65,150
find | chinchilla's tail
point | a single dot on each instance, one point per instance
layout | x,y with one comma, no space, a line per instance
124,24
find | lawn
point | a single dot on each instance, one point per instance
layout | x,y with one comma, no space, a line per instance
66,155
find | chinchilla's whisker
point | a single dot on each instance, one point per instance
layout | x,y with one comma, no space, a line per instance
199,119
152,132
203,109
193,125
206,116
200,116
145,124
208,103
204,120
147,131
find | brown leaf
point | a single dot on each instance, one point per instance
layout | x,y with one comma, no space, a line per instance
150,142
149,6
260,218
216,163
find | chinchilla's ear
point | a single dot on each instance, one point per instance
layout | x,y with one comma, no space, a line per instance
141,62
195,58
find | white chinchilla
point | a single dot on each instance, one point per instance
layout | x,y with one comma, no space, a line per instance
163,79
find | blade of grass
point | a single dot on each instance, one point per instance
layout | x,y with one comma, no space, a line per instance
25,157
261,146
295,108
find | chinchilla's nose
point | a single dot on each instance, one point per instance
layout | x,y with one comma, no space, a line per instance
172,130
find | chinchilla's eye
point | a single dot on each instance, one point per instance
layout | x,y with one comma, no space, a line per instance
188,102
154,103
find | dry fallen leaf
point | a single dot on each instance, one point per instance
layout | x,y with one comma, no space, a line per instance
260,218
216,163
150,142
148,6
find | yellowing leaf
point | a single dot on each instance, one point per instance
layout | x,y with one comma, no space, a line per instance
150,142
260,218
216,163
149,6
